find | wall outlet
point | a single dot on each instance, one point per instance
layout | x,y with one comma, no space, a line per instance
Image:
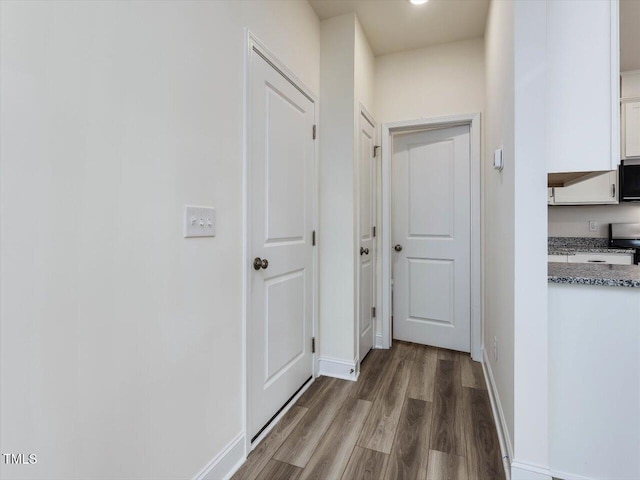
199,221
593,226
495,349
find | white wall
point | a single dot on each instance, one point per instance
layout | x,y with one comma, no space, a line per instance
440,80
121,341
346,80
531,364
337,180
498,218
574,221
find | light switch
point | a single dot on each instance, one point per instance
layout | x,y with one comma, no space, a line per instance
498,161
199,221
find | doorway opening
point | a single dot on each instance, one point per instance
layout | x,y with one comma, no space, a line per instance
433,146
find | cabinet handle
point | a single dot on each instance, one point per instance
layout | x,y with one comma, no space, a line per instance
613,190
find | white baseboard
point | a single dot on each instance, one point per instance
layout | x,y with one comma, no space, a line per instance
378,341
498,414
225,463
333,367
523,471
568,476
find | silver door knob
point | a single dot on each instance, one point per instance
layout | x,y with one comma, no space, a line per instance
397,248
259,263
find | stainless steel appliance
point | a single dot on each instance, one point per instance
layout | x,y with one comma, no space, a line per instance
630,181
625,235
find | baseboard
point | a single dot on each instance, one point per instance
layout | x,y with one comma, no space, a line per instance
498,414
523,471
568,476
226,463
333,367
378,341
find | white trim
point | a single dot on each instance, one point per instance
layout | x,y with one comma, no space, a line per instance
506,450
524,471
225,463
378,340
568,476
388,129
337,368
251,42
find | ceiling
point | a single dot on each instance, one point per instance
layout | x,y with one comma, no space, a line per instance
629,35
396,25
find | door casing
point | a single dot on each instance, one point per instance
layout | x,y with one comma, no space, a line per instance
388,130
253,43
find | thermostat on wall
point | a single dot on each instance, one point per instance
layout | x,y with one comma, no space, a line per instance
498,162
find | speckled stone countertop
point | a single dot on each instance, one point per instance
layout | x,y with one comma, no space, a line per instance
573,245
594,274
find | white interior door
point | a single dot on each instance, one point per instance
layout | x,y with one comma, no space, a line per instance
281,187
367,247
431,218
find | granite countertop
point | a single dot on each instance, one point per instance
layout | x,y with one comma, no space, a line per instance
594,274
573,245
569,250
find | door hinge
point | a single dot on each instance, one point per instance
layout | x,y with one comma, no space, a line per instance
374,231
313,238
375,150
313,345
314,132
373,312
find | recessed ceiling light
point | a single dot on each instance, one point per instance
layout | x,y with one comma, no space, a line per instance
418,2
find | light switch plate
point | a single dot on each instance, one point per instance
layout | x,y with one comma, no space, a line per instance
199,221
593,226
498,161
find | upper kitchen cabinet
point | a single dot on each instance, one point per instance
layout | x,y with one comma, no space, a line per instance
583,85
630,107
599,189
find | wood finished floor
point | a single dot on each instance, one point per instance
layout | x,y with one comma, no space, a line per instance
416,412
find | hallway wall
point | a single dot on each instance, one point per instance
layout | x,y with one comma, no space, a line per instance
440,80
121,348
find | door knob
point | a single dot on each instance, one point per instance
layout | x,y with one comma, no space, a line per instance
361,250
364,251
259,263
397,248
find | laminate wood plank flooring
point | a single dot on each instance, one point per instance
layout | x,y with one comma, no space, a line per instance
483,449
412,440
416,412
447,432
443,466
279,470
366,464
262,454
330,458
301,443
380,429
423,374
471,373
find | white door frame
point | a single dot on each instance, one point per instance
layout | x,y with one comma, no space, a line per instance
363,112
252,43
388,130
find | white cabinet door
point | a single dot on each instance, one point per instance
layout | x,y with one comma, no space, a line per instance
607,258
582,86
599,190
631,129
558,258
